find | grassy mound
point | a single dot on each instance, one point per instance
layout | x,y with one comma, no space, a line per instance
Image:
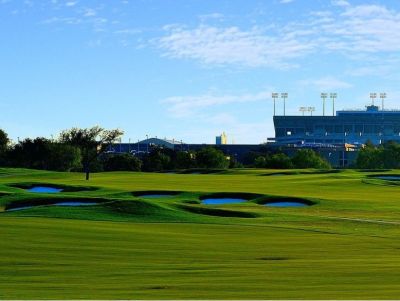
155,192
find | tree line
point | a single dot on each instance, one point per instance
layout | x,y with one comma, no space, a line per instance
85,150
385,156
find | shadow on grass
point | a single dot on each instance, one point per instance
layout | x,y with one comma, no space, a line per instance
65,188
216,212
235,195
305,172
265,200
52,201
155,192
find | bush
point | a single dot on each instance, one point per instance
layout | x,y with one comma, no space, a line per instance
260,162
210,157
156,160
122,162
307,158
279,161
185,160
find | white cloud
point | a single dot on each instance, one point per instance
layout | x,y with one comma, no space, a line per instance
220,46
186,106
71,3
327,83
340,3
355,31
129,31
286,1
365,29
212,16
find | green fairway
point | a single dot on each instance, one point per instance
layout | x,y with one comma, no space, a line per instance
129,246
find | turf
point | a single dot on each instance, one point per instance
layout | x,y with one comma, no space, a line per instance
345,246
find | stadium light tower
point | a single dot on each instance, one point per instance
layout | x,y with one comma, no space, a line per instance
382,97
274,97
372,96
311,110
303,109
333,96
284,96
324,96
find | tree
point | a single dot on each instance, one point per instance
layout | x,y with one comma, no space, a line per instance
260,162
185,160
370,157
121,162
4,141
64,157
279,161
42,153
157,160
390,155
307,158
92,142
210,157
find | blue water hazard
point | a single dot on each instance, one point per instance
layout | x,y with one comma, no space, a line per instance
67,204
75,204
44,189
222,201
389,178
286,204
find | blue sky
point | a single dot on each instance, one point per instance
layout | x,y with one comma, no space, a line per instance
189,69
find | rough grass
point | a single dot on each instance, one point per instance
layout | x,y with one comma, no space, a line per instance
346,246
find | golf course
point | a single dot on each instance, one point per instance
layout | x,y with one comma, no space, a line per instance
270,234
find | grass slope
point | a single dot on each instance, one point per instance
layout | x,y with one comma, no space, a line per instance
344,247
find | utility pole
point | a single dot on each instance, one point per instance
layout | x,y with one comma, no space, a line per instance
383,96
324,96
274,97
333,96
372,96
302,110
284,96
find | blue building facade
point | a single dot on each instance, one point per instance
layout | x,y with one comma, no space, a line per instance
351,127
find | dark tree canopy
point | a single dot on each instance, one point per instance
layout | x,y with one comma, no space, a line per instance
92,142
307,158
210,157
157,160
121,162
4,141
386,156
42,153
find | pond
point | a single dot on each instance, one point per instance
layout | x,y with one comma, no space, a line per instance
222,201
286,204
44,189
388,178
67,204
